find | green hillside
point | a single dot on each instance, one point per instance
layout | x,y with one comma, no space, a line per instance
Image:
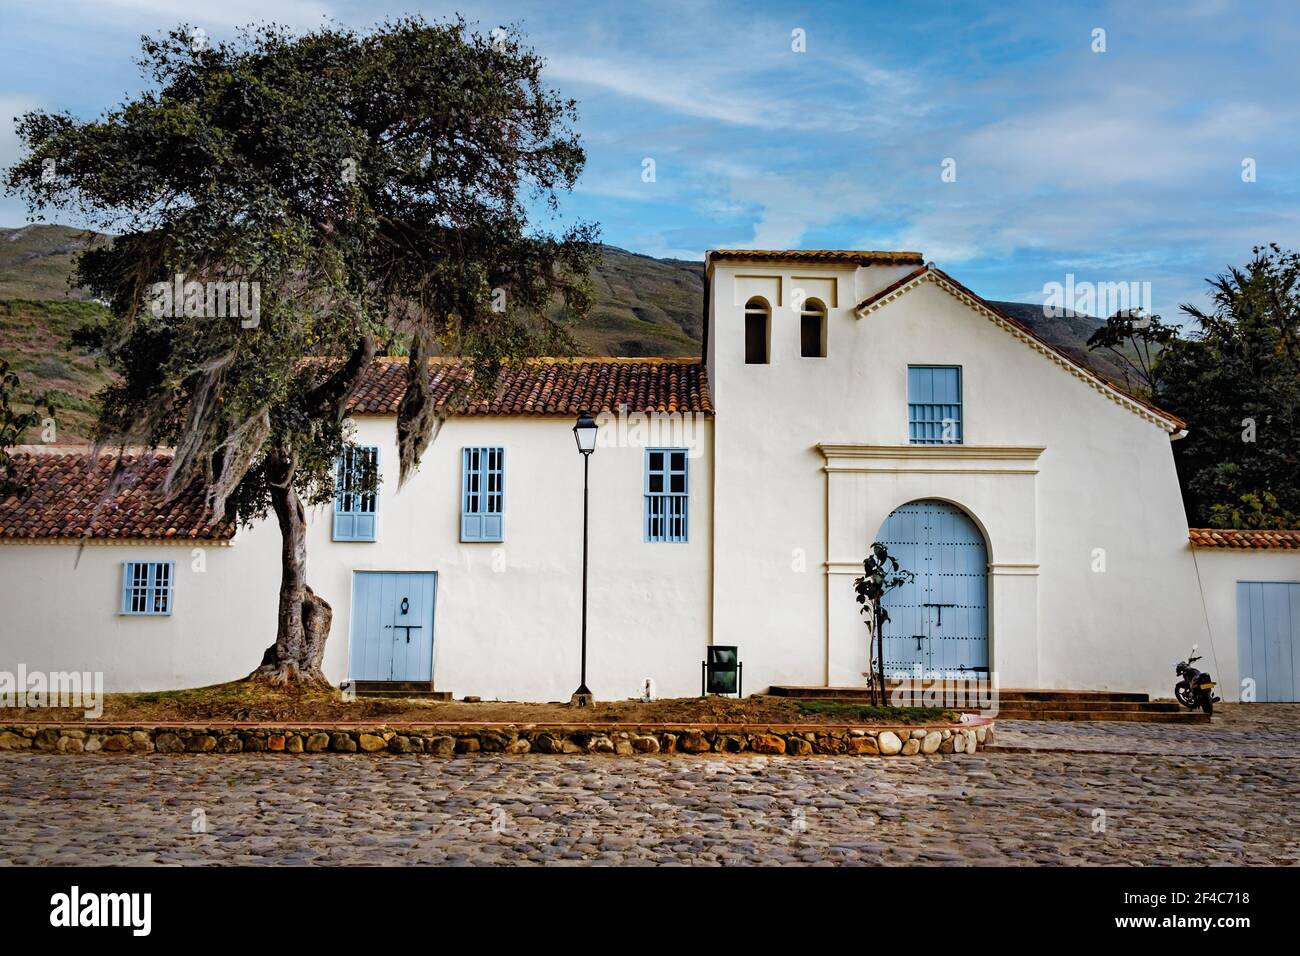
36,261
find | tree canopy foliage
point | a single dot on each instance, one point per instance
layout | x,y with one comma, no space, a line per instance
1236,381
373,190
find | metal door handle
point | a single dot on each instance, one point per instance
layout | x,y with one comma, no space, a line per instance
939,622
407,627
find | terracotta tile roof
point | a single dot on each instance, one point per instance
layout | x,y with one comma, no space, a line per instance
1288,540
67,487
549,387
859,257
931,271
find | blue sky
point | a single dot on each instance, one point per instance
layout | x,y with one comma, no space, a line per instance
1115,166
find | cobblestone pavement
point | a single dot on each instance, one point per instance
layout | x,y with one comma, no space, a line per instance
1261,730
1224,793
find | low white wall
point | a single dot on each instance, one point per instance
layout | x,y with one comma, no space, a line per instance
1220,569
508,613
60,612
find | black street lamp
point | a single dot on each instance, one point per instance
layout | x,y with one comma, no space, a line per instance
584,432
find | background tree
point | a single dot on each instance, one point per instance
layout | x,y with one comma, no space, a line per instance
376,188
881,573
1236,381
13,425
1135,339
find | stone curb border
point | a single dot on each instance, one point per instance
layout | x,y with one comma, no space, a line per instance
447,740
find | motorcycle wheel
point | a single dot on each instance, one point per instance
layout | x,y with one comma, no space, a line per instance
1207,704
1184,695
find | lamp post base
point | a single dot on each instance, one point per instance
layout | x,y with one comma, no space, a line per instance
582,697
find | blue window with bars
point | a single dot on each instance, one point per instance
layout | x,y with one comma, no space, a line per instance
934,404
666,495
356,494
483,494
147,587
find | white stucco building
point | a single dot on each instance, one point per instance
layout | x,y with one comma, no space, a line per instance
843,397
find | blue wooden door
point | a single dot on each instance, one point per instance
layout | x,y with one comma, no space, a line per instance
1268,638
392,625
940,620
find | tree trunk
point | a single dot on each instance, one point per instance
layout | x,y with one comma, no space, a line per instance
303,618
878,638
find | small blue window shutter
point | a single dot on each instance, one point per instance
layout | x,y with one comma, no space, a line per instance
355,511
933,398
367,504
947,396
128,574
493,485
344,523
654,484
482,515
667,495
471,517
164,587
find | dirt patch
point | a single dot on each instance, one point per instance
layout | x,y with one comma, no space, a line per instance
257,702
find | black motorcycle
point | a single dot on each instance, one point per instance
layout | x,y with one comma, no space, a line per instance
1196,689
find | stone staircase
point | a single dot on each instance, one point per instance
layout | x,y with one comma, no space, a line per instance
1029,704
421,689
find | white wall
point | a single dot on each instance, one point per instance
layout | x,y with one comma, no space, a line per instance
60,613
508,614
1105,481
1220,570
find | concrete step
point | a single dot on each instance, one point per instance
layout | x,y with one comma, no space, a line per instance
1004,694
1130,716
1043,706
1148,706
1036,704
422,690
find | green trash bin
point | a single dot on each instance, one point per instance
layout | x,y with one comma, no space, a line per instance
721,670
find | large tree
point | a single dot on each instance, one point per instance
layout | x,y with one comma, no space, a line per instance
1236,381
376,187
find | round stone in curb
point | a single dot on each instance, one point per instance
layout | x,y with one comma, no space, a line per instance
443,746
547,744
693,742
798,747
767,744
317,743
930,743
889,743
863,745
370,743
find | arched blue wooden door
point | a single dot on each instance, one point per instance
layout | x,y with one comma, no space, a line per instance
940,620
